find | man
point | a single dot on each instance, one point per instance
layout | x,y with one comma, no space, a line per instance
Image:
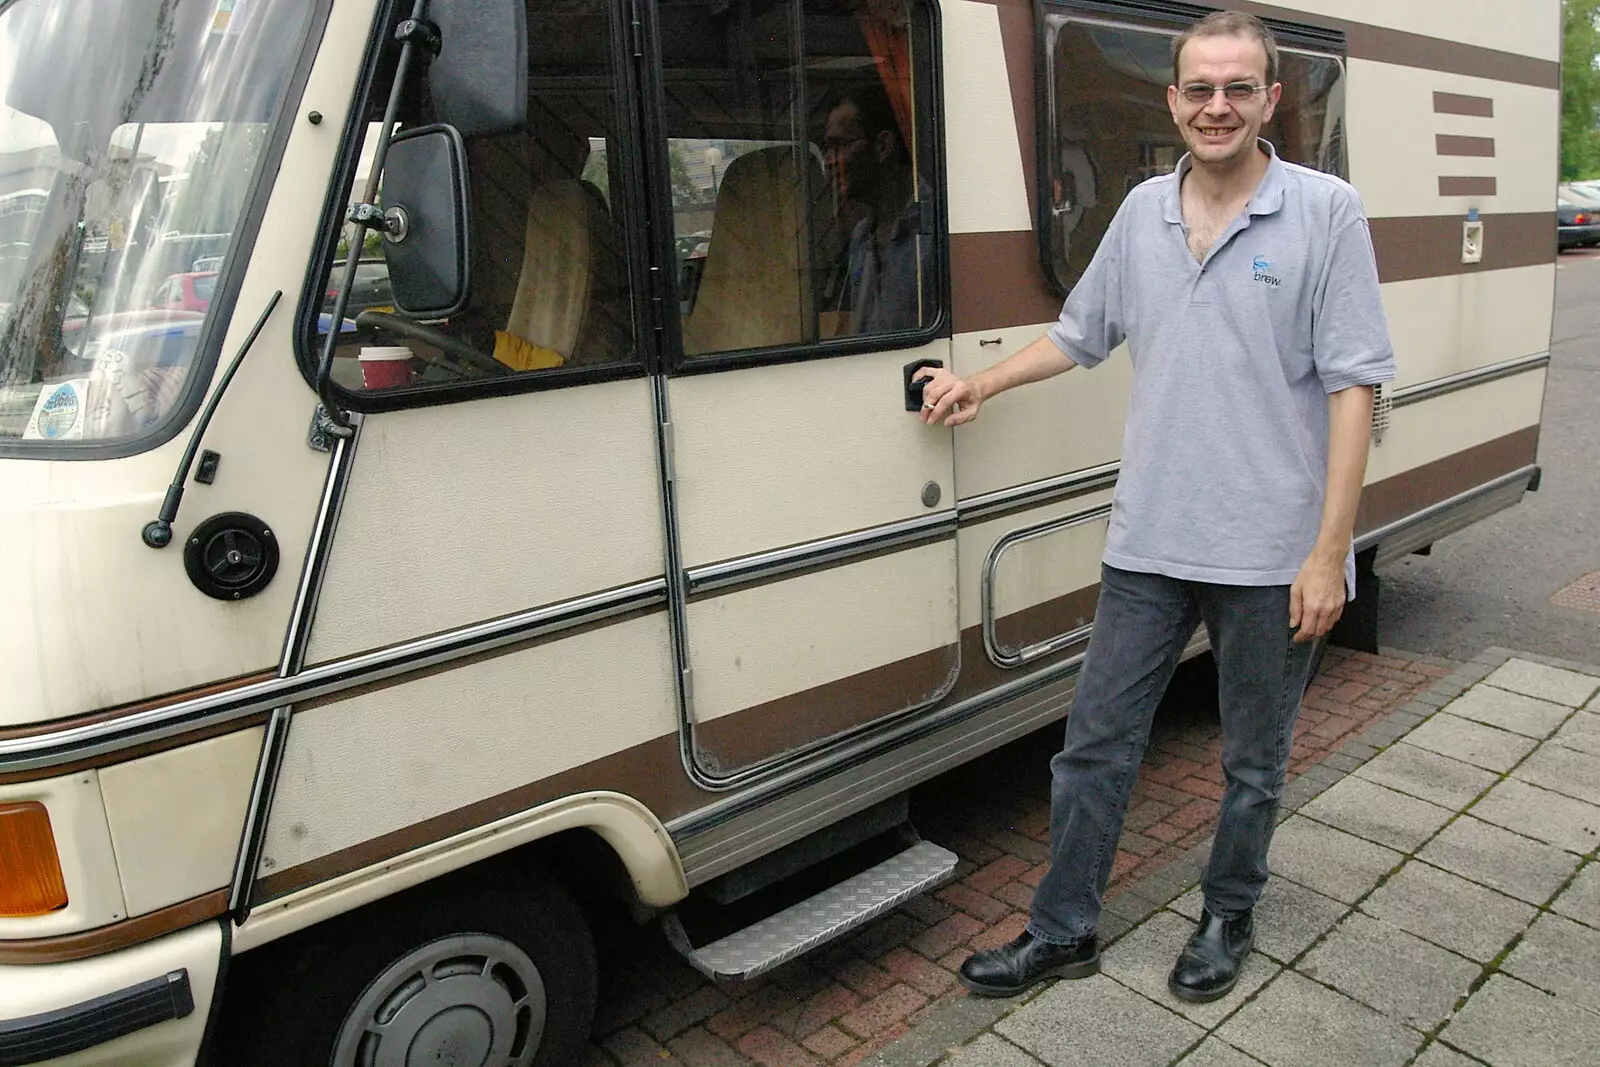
887,274
1248,294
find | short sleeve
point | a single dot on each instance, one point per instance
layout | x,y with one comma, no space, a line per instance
1349,334
1091,325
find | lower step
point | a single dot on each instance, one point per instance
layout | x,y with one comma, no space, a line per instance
833,912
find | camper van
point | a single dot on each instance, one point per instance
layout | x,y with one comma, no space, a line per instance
339,667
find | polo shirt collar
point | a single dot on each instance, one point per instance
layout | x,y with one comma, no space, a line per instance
1267,198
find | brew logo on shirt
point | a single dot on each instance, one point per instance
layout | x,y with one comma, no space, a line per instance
1261,265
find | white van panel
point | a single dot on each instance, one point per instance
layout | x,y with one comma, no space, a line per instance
176,818
987,189
392,757
772,640
1394,161
1455,422
464,512
1459,322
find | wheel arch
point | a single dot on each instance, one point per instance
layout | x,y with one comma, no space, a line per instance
624,827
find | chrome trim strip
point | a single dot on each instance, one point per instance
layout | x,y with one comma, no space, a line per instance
824,550
275,740
1374,537
78,742
1040,492
263,789
1416,394
998,654
676,583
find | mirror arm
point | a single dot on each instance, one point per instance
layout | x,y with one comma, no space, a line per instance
413,33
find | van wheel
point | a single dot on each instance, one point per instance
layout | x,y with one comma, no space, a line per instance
471,972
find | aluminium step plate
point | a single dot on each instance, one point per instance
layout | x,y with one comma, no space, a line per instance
853,902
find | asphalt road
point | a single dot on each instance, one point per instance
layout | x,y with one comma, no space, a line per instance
1491,583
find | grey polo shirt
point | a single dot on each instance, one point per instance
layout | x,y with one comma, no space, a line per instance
1225,456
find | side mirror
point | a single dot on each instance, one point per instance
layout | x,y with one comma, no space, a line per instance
425,241
479,79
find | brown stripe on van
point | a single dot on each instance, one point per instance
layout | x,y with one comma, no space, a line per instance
1449,144
648,772
1055,616
1467,185
34,729
1405,494
1429,246
1384,45
137,750
1460,104
777,726
64,948
997,282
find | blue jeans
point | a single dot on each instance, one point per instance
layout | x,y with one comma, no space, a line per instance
1140,630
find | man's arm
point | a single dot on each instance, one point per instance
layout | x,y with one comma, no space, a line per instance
1040,360
1316,600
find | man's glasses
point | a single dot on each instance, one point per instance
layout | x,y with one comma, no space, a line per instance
1236,92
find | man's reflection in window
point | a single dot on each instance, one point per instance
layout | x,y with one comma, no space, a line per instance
886,280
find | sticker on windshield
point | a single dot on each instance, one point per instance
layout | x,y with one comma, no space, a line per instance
58,415
228,17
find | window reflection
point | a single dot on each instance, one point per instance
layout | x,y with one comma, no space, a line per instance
128,143
1108,112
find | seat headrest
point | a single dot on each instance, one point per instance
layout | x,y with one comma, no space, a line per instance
755,291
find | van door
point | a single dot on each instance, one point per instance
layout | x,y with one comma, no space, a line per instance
501,539
815,516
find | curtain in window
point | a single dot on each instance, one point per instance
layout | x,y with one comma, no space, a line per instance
888,33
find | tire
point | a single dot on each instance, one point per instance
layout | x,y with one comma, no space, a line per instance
447,974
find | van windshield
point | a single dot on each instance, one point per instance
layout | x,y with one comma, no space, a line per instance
130,134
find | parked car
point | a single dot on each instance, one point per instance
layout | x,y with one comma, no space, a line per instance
1590,189
370,292
190,291
1577,219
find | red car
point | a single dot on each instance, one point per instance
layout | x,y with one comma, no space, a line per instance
186,292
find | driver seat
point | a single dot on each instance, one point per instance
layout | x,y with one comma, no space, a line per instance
572,292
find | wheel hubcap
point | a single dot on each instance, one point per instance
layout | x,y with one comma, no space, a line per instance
473,1000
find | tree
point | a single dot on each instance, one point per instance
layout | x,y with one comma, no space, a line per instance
1580,89
219,177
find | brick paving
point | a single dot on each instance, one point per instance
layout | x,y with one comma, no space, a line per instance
1435,904
839,1005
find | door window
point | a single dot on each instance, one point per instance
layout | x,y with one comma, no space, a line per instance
550,299
801,160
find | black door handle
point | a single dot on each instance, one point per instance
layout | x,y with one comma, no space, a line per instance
914,388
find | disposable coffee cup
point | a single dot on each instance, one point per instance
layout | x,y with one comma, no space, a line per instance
384,367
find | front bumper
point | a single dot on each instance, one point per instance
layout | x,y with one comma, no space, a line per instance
144,1006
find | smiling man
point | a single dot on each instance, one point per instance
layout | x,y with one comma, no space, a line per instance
1248,294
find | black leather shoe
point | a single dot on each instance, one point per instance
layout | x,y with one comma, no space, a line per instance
1012,968
1208,966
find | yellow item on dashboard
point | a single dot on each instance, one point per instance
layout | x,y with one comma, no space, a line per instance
522,355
